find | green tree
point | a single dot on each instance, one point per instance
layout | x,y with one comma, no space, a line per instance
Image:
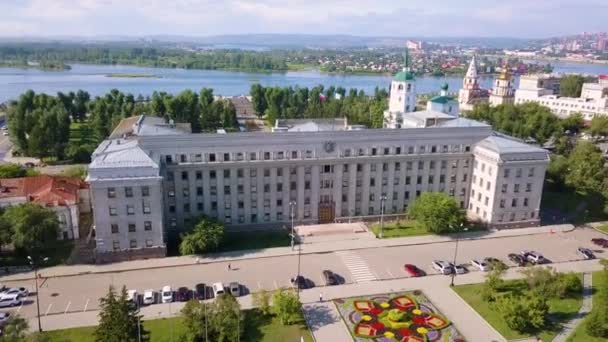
585,168
571,85
261,299
195,319
436,212
33,226
599,126
11,171
287,306
76,171
227,320
206,236
118,319
15,329
524,313
258,99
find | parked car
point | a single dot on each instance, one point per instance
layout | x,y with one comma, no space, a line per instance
442,267
413,270
166,294
482,265
10,300
149,297
218,289
330,278
586,253
132,296
4,316
459,269
600,242
517,259
20,291
493,262
535,258
182,294
200,291
235,289
300,282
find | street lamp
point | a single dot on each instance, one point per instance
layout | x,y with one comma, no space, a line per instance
456,250
35,267
292,205
382,203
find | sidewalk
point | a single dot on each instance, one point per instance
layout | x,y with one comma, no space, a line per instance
325,322
569,327
307,248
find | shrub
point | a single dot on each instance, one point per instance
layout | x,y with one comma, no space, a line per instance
525,313
397,315
597,324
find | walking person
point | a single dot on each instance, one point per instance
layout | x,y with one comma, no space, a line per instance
321,297
229,267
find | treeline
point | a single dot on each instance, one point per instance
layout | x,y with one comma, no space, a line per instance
318,102
70,126
144,56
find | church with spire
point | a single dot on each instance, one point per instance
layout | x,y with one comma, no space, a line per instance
503,92
471,93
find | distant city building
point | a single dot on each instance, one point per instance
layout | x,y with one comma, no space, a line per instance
150,184
544,89
602,44
67,197
502,92
471,93
414,45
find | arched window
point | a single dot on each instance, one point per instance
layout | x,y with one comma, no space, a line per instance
409,87
400,87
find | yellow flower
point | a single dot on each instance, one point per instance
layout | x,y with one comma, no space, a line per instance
367,317
385,305
417,312
389,334
422,330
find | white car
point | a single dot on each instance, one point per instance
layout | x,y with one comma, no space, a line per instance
20,291
10,300
5,133
167,294
132,296
459,269
481,265
4,316
535,258
235,289
149,297
442,267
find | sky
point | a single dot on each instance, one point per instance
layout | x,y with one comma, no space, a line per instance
398,18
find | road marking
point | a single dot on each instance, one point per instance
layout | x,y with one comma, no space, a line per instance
259,285
322,280
389,273
20,306
67,308
48,309
275,285
86,305
357,267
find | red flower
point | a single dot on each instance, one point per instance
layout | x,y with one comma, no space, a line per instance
405,332
375,311
419,320
377,325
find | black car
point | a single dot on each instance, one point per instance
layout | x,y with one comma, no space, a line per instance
517,259
300,282
586,253
182,294
200,291
330,278
493,262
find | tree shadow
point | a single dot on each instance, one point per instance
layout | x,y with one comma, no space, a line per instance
319,315
254,319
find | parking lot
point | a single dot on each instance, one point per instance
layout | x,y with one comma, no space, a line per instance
81,293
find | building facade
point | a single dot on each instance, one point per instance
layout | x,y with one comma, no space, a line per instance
502,92
544,89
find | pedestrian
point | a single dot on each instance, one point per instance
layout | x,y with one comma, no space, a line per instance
229,267
321,297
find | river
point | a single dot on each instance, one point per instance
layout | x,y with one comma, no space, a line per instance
93,79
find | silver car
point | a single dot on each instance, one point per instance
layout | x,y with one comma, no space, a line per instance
442,267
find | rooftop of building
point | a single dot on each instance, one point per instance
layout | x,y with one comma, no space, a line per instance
310,125
443,99
45,190
148,125
510,148
404,76
121,152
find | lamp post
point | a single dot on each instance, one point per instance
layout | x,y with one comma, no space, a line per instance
298,275
35,267
456,251
292,205
382,203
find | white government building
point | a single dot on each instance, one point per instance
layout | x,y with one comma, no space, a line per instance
544,89
151,178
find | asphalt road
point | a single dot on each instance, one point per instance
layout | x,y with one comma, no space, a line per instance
80,293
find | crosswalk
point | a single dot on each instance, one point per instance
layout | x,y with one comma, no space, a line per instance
356,266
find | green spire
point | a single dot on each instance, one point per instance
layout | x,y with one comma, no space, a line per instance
406,74
406,57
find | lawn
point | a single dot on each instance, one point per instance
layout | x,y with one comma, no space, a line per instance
603,228
401,228
560,310
256,328
254,240
600,283
57,252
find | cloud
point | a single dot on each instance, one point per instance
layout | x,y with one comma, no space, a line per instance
359,17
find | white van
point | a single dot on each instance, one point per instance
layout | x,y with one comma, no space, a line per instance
218,289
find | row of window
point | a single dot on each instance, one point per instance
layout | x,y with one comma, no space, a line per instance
130,209
307,154
132,244
131,227
128,191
